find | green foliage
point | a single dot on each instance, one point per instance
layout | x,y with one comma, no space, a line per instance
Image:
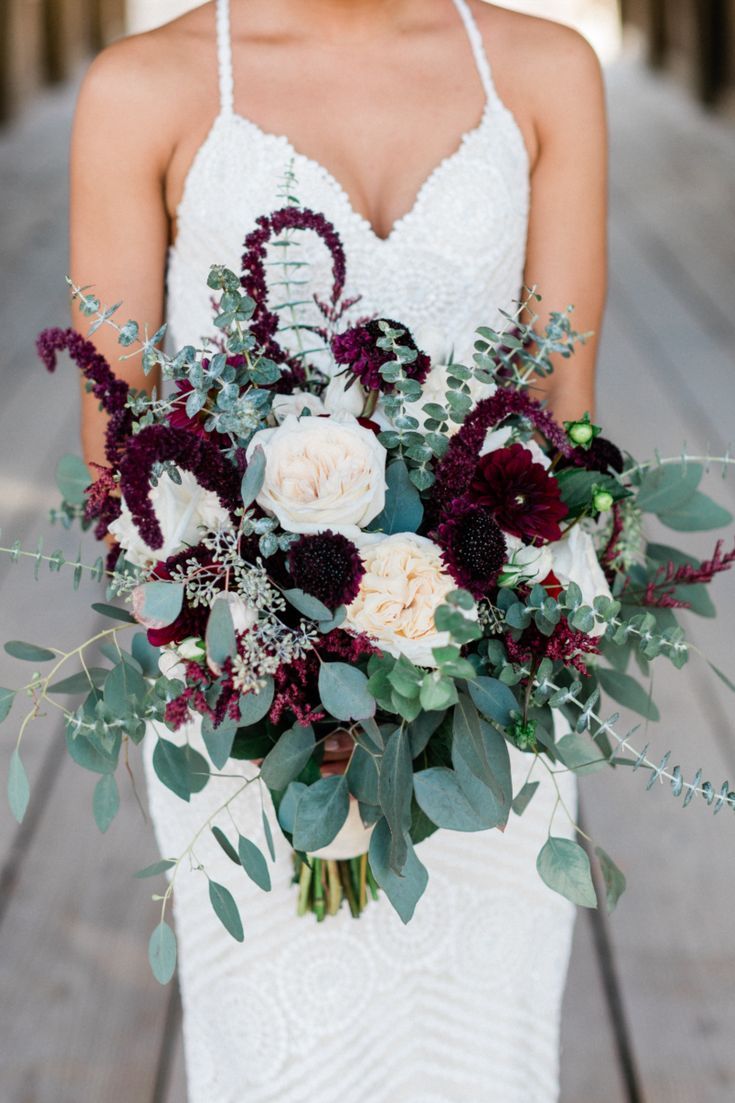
626,691
613,878
29,652
344,692
524,797
181,769
403,890
220,633
495,700
162,601
289,756
105,802
155,869
252,480
403,511
226,910
72,478
218,740
19,790
320,813
162,953
309,606
564,866
226,845
255,706
395,792
254,864
7,696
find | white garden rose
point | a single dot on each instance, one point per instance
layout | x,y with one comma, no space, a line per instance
284,405
338,398
182,511
501,438
322,473
405,581
575,560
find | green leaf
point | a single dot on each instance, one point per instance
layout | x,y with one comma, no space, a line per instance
394,793
146,654
626,691
477,744
344,692
254,864
698,514
580,754
72,478
440,795
268,837
155,869
578,486
613,877
252,480
723,677
320,813
105,801
91,757
19,790
362,776
422,729
162,601
437,692
254,706
7,696
162,953
307,605
404,891
289,803
181,769
219,740
29,652
114,612
564,866
220,634
288,758
226,910
226,845
80,683
494,700
668,487
125,689
524,797
403,510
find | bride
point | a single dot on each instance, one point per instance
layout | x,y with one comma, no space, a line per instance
460,151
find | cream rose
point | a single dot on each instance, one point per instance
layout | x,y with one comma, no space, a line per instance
284,405
575,560
322,473
526,563
338,398
404,583
182,511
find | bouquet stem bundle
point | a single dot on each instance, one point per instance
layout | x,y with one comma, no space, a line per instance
325,883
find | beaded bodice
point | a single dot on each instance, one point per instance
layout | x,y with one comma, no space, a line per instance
451,262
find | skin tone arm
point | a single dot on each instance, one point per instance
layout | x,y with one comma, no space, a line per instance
567,241
119,225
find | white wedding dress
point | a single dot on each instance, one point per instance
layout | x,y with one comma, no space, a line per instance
463,1004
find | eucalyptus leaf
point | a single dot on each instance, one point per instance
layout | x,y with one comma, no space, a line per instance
226,845
181,769
524,797
114,612
162,601
252,480
579,754
93,677
255,706
473,739
268,837
288,757
308,605
220,633
403,511
613,877
362,776
219,740
162,953
19,790
404,891
564,866
7,696
668,487
155,869
698,514
495,700
72,478
440,796
289,803
395,792
254,864
29,652
344,692
626,691
226,910
105,801
320,813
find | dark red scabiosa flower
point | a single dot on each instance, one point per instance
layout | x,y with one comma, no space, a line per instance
327,566
522,497
473,547
358,350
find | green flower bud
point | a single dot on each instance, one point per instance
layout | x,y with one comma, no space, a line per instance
603,501
524,734
582,432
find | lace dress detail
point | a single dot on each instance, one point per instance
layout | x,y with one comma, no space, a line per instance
463,1004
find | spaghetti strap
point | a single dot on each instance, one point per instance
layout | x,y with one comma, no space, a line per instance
478,47
224,58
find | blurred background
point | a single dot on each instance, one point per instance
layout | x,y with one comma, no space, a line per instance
649,1014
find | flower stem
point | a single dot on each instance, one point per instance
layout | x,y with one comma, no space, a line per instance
304,886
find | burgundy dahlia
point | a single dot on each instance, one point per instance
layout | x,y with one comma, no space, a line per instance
327,566
473,547
522,497
359,351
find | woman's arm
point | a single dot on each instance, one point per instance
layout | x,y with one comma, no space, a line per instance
567,241
119,223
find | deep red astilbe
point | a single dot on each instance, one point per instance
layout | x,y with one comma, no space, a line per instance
565,645
111,391
296,683
359,351
660,591
158,444
456,469
264,324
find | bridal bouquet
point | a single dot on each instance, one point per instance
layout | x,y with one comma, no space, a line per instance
345,542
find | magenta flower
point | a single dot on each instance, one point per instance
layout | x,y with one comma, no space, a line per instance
358,350
327,566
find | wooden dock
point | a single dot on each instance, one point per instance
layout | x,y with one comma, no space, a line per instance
649,1015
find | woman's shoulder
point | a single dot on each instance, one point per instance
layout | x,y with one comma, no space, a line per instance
147,78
